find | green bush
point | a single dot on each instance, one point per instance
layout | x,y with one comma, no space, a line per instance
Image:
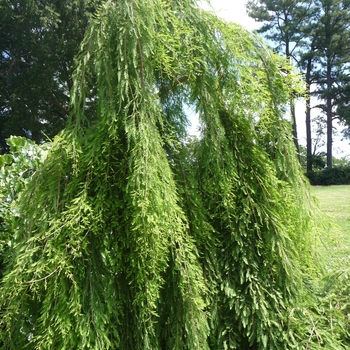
330,176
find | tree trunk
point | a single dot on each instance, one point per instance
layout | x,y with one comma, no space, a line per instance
308,119
329,116
294,125
292,102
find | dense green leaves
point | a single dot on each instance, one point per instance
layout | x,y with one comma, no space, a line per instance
16,170
131,235
38,42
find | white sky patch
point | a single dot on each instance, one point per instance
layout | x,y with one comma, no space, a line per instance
230,10
193,117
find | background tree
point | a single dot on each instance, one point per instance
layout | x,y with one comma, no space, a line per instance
333,61
307,60
318,31
283,21
38,42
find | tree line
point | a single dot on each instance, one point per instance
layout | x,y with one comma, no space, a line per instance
314,35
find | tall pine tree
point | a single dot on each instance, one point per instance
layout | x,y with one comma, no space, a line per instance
283,21
332,40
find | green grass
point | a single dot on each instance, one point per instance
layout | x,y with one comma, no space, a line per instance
332,288
334,202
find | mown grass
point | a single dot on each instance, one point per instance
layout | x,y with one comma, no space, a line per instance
334,248
328,307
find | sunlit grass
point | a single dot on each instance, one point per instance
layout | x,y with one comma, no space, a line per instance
335,240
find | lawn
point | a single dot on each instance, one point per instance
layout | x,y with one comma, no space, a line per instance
334,202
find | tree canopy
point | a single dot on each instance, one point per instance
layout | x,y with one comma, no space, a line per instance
38,42
133,236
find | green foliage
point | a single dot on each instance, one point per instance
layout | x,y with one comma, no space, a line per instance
333,289
16,170
282,22
318,160
131,236
338,175
38,42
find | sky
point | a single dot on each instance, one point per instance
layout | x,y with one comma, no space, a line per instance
231,10
234,11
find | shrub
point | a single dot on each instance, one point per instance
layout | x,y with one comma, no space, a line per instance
330,176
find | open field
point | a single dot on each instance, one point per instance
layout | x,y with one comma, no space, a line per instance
334,201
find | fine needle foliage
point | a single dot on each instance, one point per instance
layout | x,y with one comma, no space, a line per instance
133,236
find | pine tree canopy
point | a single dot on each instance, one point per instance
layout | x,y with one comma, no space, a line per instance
133,235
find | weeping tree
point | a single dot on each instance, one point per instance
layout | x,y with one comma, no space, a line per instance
133,235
